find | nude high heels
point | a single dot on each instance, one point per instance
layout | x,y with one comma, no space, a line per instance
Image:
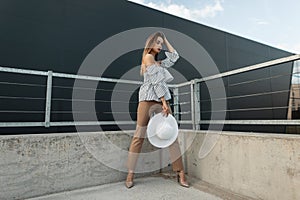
129,180
181,179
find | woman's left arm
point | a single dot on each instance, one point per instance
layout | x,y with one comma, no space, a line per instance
172,55
170,59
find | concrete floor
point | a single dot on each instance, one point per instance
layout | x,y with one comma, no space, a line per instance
145,188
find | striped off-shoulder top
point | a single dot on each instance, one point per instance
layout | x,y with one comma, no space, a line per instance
156,78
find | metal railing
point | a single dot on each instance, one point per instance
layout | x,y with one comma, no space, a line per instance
196,106
186,98
50,75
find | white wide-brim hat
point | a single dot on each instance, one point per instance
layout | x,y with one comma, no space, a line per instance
162,131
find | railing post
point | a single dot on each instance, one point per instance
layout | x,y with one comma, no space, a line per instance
48,99
176,103
193,104
197,105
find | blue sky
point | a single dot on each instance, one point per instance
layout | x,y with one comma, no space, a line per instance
272,22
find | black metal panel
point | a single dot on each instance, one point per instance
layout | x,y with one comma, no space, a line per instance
57,35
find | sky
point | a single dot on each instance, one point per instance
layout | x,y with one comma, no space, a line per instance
271,22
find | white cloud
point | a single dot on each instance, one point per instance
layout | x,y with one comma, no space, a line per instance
259,21
181,10
262,23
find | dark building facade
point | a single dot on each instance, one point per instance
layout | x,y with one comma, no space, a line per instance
57,35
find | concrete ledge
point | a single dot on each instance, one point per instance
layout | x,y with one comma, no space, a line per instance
261,166
34,165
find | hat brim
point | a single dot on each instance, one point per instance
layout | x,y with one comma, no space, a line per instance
155,121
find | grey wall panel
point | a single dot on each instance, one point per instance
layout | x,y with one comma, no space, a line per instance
212,40
249,77
58,35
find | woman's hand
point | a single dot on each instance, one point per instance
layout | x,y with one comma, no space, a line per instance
167,43
166,109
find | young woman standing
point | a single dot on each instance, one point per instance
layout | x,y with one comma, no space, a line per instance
154,96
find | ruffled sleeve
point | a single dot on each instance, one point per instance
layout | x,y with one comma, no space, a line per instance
170,60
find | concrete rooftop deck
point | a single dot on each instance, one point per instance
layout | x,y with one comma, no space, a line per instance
145,188
152,187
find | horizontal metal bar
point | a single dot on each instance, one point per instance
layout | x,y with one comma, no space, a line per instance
185,122
182,93
241,122
252,122
85,77
247,95
31,98
93,89
21,124
260,79
183,113
32,124
89,123
248,109
23,84
244,69
93,100
64,75
23,111
117,112
23,71
182,103
94,78
251,67
182,84
172,85
58,112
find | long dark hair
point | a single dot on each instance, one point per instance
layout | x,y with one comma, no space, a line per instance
148,48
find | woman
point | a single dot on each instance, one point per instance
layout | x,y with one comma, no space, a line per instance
153,97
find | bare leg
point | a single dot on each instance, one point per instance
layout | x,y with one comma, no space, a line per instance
143,117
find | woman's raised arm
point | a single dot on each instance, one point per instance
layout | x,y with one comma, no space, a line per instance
168,45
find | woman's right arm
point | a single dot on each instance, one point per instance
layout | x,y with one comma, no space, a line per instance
168,45
165,107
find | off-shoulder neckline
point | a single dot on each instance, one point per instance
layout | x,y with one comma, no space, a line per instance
154,64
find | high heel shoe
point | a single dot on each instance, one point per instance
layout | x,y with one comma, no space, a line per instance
181,179
129,180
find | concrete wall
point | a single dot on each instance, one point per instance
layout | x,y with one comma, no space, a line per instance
34,165
262,166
